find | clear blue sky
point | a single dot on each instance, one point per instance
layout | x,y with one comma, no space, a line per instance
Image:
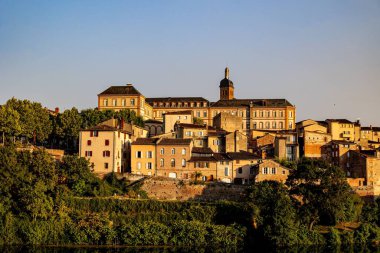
323,56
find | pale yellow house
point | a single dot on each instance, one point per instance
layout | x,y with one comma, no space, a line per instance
125,97
106,147
144,156
342,129
171,118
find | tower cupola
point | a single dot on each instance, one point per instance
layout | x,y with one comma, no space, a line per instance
226,86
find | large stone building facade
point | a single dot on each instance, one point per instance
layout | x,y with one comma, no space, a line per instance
265,114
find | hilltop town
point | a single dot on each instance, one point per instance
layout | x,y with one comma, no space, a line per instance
232,140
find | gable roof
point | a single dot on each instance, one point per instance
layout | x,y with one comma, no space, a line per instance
121,90
242,155
145,141
187,112
168,141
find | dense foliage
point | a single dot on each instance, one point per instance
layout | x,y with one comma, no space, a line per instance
44,201
31,122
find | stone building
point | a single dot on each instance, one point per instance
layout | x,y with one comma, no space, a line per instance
144,156
171,118
364,166
106,146
173,156
125,97
343,130
270,170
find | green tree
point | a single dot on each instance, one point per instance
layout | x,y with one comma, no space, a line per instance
9,122
34,119
322,192
68,125
276,216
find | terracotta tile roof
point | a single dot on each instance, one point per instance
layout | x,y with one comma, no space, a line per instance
222,157
101,128
254,102
187,112
343,142
343,121
175,142
121,90
202,150
145,141
242,155
175,99
371,128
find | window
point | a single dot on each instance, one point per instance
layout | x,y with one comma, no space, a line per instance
162,151
149,166
149,154
183,163
94,134
198,114
200,133
283,172
240,170
105,102
265,170
106,165
89,143
273,170
173,151
261,125
274,114
138,154
281,125
139,166
254,125
204,114
162,162
183,151
267,125
172,162
226,171
107,142
274,125
290,114
114,103
88,153
106,153
123,102
132,101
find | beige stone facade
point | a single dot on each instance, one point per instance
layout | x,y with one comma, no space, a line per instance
171,118
144,156
172,158
106,148
270,170
125,97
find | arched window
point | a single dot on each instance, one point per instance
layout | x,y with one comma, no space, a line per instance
183,151
162,151
173,151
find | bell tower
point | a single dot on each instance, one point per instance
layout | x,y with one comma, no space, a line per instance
226,86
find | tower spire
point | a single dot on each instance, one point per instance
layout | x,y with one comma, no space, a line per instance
227,73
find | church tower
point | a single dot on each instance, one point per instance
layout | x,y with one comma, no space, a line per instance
226,86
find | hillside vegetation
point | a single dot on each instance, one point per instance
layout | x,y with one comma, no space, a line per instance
48,202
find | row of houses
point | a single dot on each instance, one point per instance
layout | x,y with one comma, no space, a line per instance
230,140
